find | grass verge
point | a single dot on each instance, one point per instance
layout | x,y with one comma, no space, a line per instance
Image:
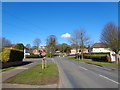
9,68
36,76
105,63
90,61
81,60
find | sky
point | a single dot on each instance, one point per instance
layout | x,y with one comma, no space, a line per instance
22,22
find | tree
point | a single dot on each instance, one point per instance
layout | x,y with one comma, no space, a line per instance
110,36
80,40
37,42
63,47
74,45
51,43
28,46
5,42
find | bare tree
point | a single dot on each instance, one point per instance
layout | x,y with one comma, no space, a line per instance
5,42
110,35
37,42
51,43
28,46
80,39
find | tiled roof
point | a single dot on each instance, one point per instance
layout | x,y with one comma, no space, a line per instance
99,45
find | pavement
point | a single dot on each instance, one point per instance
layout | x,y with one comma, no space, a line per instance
12,72
77,74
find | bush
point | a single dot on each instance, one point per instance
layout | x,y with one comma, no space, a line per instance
19,46
32,56
11,55
50,54
97,53
95,56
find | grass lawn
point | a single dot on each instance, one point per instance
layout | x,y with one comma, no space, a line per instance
97,63
36,76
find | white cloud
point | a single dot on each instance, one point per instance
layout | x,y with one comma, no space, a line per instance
66,35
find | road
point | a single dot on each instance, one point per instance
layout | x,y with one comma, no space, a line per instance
77,74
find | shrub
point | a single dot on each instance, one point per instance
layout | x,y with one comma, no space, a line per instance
11,55
95,56
32,56
50,54
6,55
19,46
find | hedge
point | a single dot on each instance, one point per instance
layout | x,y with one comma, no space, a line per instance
11,55
19,46
32,56
95,56
97,53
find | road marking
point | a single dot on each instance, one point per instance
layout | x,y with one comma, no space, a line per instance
83,68
80,67
108,78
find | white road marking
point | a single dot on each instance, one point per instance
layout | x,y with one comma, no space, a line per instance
81,67
108,78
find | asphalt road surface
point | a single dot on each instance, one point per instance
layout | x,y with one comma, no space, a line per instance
77,74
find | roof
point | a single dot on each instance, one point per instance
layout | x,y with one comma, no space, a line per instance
99,45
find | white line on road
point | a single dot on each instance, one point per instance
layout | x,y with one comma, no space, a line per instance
80,67
108,78
83,68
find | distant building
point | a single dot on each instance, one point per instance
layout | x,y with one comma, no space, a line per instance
74,51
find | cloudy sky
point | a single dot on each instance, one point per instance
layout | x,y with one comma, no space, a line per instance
25,21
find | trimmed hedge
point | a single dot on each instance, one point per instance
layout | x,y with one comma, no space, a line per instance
97,53
11,55
19,46
95,56
32,56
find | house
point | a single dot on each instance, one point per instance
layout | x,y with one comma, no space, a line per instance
39,51
99,47
103,48
36,52
74,51
26,51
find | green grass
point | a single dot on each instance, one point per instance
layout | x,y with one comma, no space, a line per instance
105,63
36,76
97,63
9,68
80,59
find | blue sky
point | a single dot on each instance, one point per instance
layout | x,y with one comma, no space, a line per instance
24,21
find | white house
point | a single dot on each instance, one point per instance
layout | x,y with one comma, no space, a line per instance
102,47
99,47
26,51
